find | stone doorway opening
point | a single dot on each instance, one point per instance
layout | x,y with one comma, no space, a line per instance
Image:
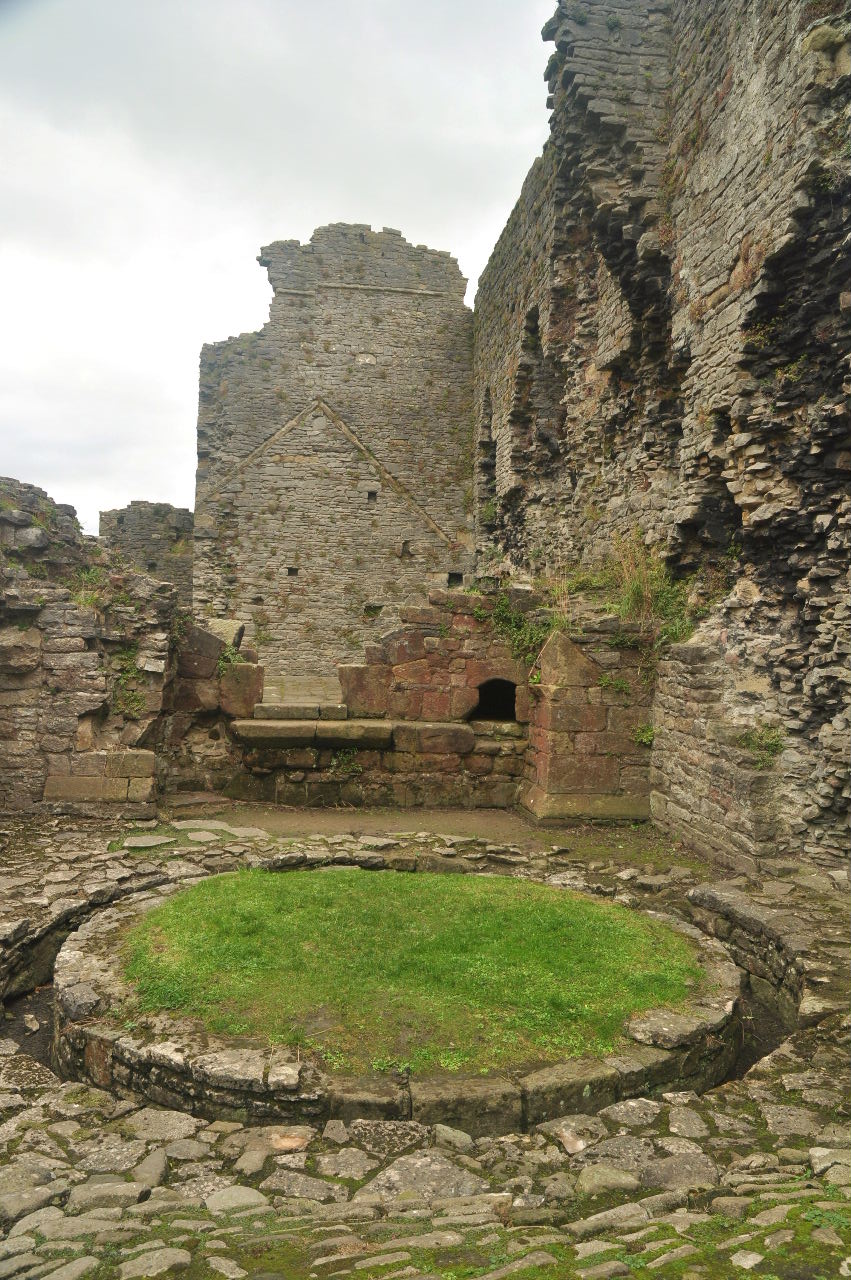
497,701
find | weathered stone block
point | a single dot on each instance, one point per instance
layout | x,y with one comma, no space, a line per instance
355,733
77,788
570,717
141,790
434,738
365,689
547,805
20,650
199,654
240,688
568,1088
196,695
563,663
131,764
366,1098
478,1107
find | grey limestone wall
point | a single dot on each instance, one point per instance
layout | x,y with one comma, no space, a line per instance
334,448
662,342
157,538
85,663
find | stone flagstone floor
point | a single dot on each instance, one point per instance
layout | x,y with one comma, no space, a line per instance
753,1177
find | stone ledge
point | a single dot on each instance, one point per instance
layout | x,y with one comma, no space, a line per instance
545,805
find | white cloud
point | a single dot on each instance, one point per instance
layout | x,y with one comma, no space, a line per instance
152,149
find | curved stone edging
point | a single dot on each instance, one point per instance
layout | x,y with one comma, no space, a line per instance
694,1047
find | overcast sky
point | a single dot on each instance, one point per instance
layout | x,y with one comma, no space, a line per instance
152,146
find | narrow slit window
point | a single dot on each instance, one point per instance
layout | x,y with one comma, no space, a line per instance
292,571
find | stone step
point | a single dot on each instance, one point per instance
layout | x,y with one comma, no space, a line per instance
303,732
412,736
300,711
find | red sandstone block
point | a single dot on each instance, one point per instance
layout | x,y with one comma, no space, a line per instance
406,704
407,649
582,773
417,672
365,689
462,701
421,615
436,705
564,663
478,764
199,652
626,719
196,695
240,689
434,738
571,717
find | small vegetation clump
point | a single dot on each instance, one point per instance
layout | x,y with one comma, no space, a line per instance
422,972
617,684
525,635
643,735
764,745
635,584
228,658
345,762
88,587
127,697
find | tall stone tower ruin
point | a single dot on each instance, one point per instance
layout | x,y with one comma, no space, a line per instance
334,447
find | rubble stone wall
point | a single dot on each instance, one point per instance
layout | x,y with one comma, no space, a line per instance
84,664
334,448
662,342
157,539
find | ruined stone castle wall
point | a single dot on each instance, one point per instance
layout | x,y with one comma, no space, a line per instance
157,538
84,664
680,365
334,448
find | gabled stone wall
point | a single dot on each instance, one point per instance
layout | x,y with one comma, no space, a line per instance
334,448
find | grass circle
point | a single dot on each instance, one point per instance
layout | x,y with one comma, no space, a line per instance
382,970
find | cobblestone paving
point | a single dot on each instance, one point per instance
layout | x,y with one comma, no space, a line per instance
753,1177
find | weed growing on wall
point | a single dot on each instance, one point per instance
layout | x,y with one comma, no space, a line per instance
635,584
228,658
763,745
127,698
526,636
345,762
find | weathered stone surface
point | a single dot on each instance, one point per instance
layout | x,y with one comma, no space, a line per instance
240,688
427,1174
491,1105
568,1087
157,538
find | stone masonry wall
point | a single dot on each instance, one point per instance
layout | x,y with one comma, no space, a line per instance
334,448
84,664
155,537
678,362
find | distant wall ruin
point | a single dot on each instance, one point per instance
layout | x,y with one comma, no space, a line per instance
157,539
334,448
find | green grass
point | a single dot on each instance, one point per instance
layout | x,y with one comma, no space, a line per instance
378,970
